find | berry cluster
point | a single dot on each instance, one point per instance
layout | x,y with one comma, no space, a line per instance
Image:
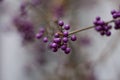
60,39
116,14
102,27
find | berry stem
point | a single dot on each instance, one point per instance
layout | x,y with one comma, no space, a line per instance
87,28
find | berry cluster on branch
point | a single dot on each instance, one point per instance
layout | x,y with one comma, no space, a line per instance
61,38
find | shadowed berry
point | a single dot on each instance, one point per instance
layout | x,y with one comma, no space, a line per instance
73,38
60,23
54,45
67,50
45,39
65,33
57,40
39,35
65,39
63,47
108,33
67,27
56,35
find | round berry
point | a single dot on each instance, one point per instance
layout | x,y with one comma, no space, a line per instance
67,50
45,39
63,47
57,40
108,33
101,23
60,23
65,39
98,28
54,45
73,38
67,27
98,18
65,33
39,35
56,35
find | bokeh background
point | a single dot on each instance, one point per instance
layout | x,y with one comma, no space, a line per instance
23,57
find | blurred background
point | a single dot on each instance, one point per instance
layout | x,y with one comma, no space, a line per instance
23,57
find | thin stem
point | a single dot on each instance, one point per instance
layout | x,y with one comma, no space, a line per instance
87,28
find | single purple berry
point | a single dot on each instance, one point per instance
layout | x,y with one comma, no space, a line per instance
65,39
65,33
57,40
45,39
108,33
67,51
98,28
67,27
73,38
63,47
106,28
114,16
101,23
117,22
56,35
54,45
98,18
60,23
39,35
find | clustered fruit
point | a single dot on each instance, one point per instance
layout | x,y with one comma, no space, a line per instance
116,15
60,39
104,27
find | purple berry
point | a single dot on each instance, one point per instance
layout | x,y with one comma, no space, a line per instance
39,35
98,18
45,39
60,23
73,38
114,16
65,33
63,47
65,39
54,45
67,51
67,27
98,28
108,33
56,35
100,22
57,40
106,28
